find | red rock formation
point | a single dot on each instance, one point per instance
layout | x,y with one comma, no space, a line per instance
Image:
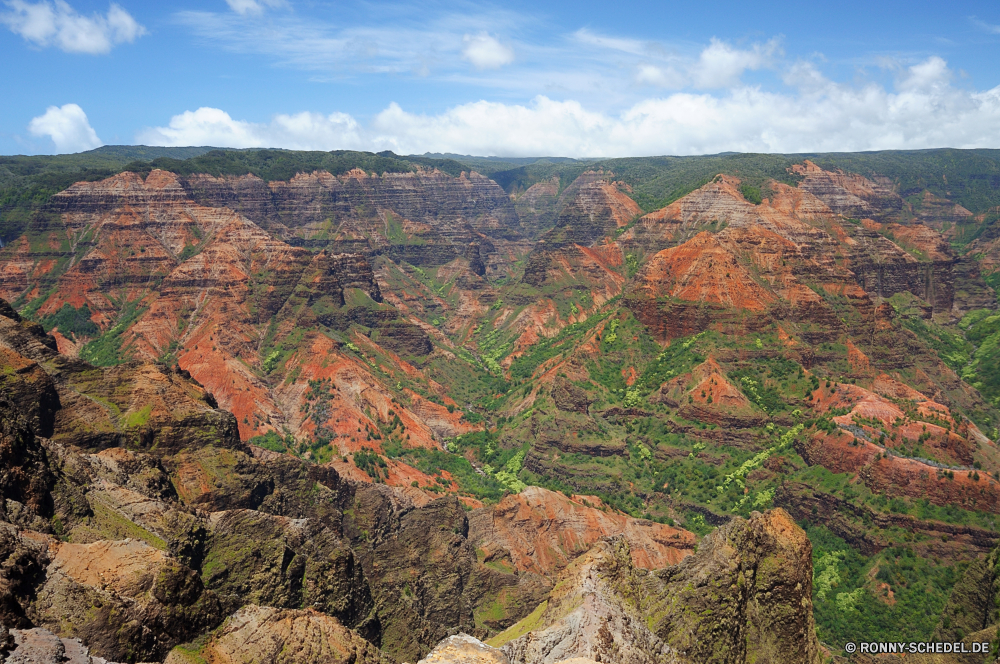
702,270
849,194
706,395
542,531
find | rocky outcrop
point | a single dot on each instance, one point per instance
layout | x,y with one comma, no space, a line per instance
849,194
257,558
745,596
591,615
262,634
124,599
437,216
754,578
464,649
40,646
541,531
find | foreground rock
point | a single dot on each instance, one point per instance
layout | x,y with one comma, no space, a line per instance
745,596
40,646
465,649
259,634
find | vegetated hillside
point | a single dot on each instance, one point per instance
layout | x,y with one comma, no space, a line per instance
681,340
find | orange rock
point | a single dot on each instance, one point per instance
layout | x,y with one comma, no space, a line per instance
543,531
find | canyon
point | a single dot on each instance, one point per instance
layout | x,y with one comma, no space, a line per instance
348,416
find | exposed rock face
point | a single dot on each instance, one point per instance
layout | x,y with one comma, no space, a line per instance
972,605
205,285
849,194
258,558
745,596
142,404
734,266
40,646
596,208
754,578
337,311
125,599
541,531
701,270
854,524
706,395
265,634
538,207
439,215
858,446
464,649
591,615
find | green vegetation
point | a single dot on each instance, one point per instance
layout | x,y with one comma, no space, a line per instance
852,604
106,350
371,463
270,164
751,193
432,462
72,322
274,442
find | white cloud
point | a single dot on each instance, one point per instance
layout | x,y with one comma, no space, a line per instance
57,24
663,77
68,128
988,27
625,45
301,131
486,52
721,66
923,111
252,6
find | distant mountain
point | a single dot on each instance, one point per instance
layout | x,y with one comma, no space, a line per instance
148,152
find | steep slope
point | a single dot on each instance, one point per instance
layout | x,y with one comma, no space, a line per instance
425,218
167,279
743,597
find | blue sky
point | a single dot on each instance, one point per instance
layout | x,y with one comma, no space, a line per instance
516,79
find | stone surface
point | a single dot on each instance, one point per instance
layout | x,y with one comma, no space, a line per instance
265,635
541,531
464,649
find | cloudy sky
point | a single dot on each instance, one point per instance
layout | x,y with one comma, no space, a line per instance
573,78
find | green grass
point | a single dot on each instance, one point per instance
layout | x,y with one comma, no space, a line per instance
519,629
106,350
138,418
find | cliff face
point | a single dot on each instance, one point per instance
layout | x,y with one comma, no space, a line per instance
735,266
754,578
745,596
424,218
165,277
592,207
849,194
545,530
